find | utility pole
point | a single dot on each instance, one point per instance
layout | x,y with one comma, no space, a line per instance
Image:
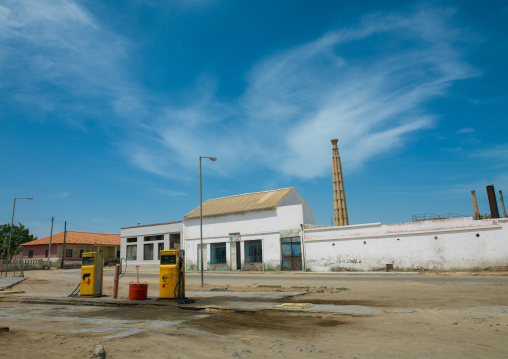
65,235
50,238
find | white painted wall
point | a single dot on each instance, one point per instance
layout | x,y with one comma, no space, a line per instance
454,244
265,225
294,197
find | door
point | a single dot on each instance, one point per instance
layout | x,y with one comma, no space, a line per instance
291,253
238,256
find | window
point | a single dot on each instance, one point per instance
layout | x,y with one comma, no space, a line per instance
168,259
253,252
132,240
132,252
160,248
88,261
148,252
218,253
174,240
47,252
68,253
30,254
80,253
154,238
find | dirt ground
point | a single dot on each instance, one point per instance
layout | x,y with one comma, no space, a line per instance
415,320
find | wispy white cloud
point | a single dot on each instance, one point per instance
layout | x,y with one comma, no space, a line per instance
57,57
300,98
497,156
169,192
361,84
63,195
466,130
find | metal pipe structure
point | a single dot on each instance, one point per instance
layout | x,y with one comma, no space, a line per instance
339,194
475,205
213,159
502,204
115,281
10,232
491,194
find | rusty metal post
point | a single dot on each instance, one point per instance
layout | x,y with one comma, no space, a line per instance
475,205
491,194
502,203
116,280
339,195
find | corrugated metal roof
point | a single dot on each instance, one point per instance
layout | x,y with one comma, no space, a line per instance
79,238
241,203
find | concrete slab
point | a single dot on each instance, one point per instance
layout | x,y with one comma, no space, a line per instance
242,301
8,282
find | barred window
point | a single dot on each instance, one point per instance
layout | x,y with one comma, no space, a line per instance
159,237
218,253
148,252
132,252
253,251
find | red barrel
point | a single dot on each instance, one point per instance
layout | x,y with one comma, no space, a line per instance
138,291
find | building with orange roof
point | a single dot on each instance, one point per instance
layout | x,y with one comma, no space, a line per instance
70,245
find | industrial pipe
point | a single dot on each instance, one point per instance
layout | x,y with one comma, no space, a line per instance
491,194
116,280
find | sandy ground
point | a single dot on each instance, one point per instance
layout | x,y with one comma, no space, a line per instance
416,320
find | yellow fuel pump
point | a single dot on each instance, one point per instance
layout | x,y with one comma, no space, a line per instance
172,274
91,273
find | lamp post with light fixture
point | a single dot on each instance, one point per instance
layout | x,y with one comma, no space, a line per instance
213,159
10,232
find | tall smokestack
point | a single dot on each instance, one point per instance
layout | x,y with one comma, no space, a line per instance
502,203
491,194
339,195
475,205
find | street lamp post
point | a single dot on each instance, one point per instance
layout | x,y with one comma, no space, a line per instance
10,232
201,214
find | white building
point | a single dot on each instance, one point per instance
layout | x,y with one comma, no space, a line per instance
253,231
141,245
274,230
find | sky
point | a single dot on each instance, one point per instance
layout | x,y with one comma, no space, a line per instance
106,106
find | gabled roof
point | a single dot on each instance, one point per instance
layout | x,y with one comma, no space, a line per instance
79,238
241,203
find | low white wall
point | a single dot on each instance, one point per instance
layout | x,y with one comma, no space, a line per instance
454,244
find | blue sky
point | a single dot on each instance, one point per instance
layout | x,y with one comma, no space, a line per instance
106,106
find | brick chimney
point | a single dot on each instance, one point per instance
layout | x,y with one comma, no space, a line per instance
339,195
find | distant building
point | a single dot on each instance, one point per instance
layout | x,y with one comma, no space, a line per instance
76,243
142,244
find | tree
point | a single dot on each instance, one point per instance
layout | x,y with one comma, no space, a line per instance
20,234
